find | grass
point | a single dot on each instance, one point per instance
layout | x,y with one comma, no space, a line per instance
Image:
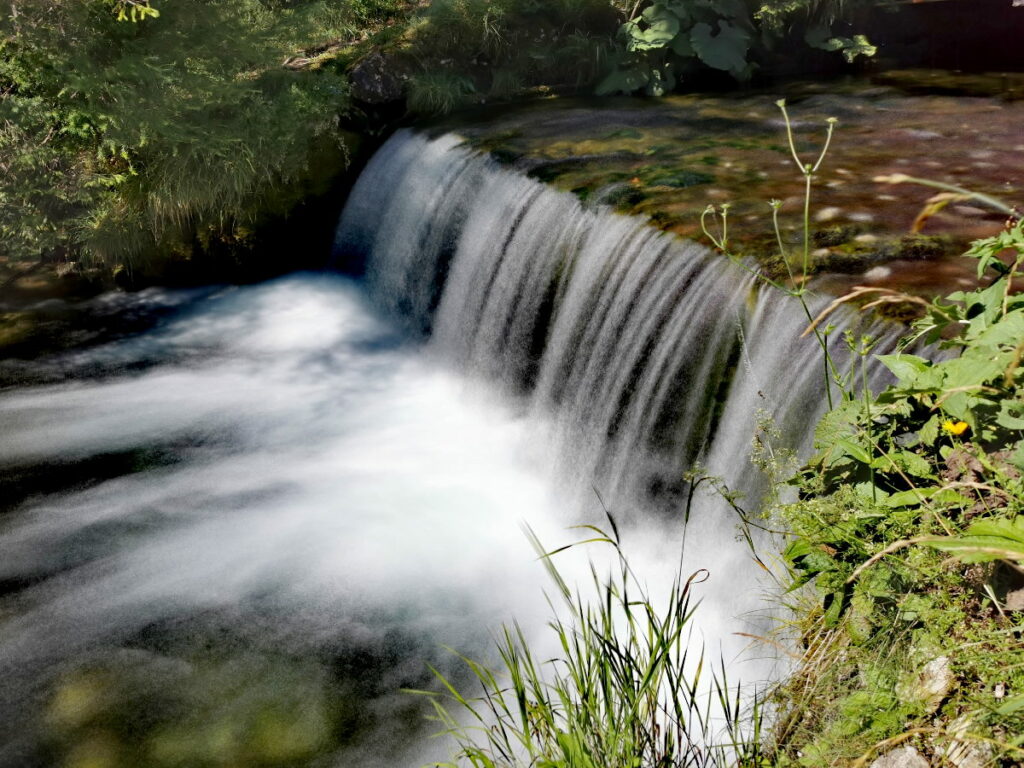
628,690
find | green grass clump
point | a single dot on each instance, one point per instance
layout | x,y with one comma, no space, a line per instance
628,690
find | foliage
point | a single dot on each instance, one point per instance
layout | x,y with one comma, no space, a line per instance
627,691
121,139
471,49
665,41
931,465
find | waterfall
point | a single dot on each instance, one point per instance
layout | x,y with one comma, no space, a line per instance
272,503
648,352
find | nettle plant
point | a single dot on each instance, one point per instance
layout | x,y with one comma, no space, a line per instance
663,41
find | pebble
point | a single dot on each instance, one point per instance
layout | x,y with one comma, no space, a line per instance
827,214
905,757
916,133
865,239
878,273
970,211
862,216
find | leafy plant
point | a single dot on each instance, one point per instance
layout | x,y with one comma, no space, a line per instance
664,41
502,47
931,464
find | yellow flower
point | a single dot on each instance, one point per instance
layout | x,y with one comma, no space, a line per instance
955,428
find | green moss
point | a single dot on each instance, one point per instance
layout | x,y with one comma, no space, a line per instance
682,179
924,247
834,236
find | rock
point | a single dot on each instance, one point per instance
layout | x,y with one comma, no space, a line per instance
1015,600
878,273
378,79
904,757
971,212
964,752
932,685
827,214
917,133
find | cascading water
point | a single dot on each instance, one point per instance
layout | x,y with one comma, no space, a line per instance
240,533
649,353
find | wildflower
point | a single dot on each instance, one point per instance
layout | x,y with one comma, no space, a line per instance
955,428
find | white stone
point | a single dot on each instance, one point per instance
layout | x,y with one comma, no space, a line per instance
962,752
932,684
827,214
904,757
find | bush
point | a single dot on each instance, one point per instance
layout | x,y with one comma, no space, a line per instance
123,139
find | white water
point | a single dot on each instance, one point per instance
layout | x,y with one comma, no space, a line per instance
313,483
621,337
326,473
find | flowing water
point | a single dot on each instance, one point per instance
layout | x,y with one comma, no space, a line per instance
231,539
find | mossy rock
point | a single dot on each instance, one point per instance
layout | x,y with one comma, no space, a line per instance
834,236
682,179
922,247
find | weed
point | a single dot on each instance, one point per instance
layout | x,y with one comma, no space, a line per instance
628,690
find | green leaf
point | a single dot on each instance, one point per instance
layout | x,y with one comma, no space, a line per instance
681,46
797,549
1011,705
1017,457
727,50
859,45
912,464
655,30
986,540
852,449
903,499
834,610
624,81
904,367
820,36
930,431
1011,414
870,492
